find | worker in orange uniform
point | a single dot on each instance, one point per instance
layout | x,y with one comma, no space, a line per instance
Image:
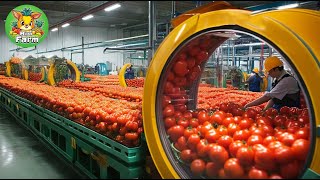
285,89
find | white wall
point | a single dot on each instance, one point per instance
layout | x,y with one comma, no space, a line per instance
69,36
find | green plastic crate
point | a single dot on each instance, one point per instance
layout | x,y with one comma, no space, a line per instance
109,168
126,154
56,136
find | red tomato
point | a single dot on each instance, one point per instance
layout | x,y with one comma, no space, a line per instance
267,140
181,143
187,155
271,112
264,156
212,136
203,117
287,138
302,133
183,122
194,73
168,110
274,145
283,155
175,132
279,120
300,148
193,140
191,62
180,81
170,76
245,155
131,136
284,110
233,169
166,100
225,141
168,87
202,56
180,68
218,154
169,122
224,107
212,169
237,119
258,131
254,139
245,123
257,174
194,122
188,131
218,117
203,129
234,146
243,134
193,50
251,113
198,166
232,128
222,130
227,121
290,170
267,130
187,115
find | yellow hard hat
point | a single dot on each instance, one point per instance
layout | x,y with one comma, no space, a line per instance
272,62
256,70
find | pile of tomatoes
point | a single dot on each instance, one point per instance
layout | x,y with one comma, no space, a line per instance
119,120
136,82
222,139
35,76
112,91
233,143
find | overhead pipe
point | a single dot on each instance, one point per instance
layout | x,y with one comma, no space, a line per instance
173,9
90,11
102,45
152,31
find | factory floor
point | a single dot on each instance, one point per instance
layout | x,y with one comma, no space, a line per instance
23,156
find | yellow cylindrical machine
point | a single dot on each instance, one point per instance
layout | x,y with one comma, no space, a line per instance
122,72
75,73
198,35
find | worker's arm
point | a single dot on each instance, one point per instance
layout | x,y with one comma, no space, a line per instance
258,101
269,104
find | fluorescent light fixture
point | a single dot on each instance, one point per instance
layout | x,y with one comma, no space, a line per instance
288,6
112,7
65,25
87,17
54,29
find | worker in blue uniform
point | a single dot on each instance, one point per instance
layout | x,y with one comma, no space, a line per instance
129,73
285,88
254,81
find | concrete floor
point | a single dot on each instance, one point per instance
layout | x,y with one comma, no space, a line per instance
23,156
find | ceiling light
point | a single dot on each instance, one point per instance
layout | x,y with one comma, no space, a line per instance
87,17
288,6
54,29
113,7
65,25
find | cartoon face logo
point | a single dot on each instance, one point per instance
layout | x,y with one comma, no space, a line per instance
25,19
26,25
